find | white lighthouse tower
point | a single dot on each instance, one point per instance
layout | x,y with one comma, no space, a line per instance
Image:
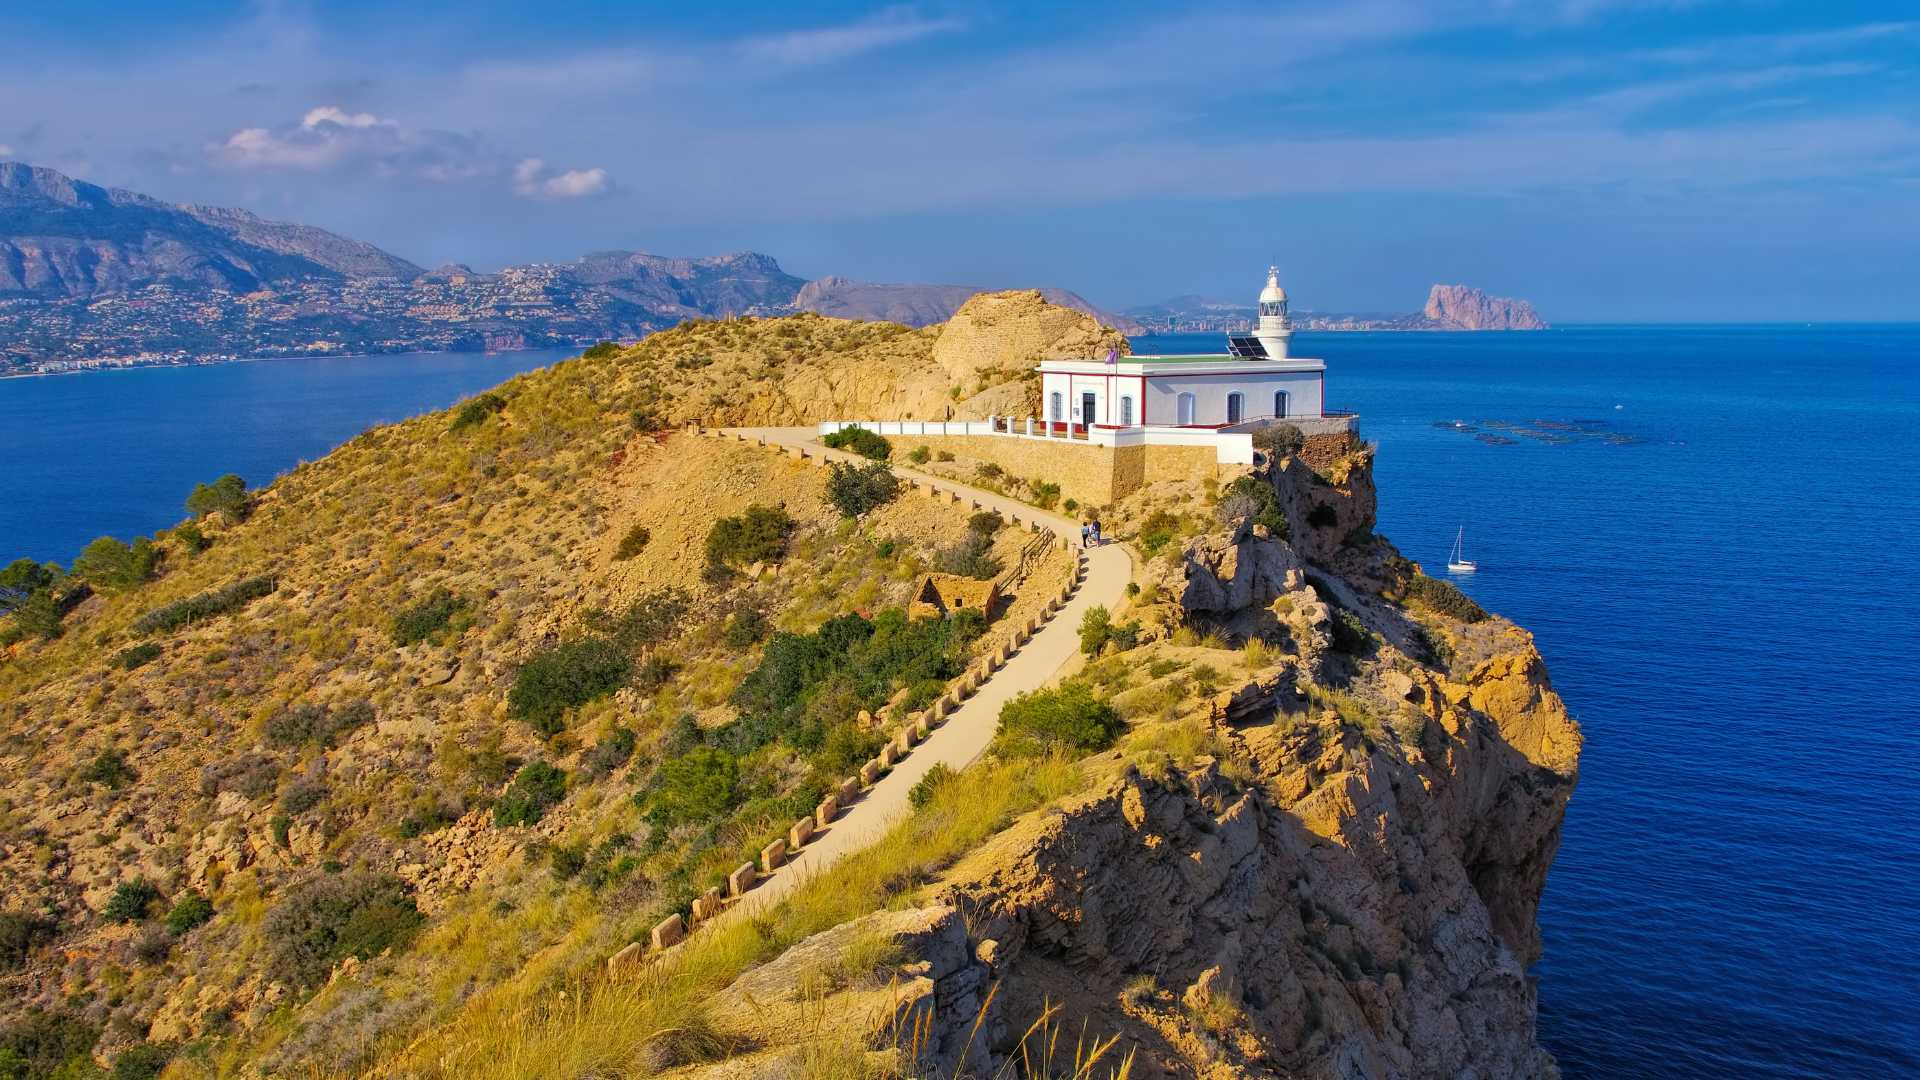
1276,329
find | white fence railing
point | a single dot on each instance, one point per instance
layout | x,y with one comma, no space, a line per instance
1230,447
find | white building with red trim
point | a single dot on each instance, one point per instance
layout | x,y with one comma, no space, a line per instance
1257,380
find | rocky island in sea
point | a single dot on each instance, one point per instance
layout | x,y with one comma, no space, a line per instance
471,743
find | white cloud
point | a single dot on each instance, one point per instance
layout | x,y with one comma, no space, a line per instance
530,178
894,26
334,114
5,150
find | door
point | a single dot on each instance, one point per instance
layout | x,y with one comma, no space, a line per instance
1280,403
1184,411
1236,407
1086,409
1055,406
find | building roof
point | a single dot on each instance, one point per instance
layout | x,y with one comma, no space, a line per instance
1214,363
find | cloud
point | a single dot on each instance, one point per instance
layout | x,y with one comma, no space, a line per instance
5,150
328,138
530,178
894,26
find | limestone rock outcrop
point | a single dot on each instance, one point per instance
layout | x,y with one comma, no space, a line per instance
1459,307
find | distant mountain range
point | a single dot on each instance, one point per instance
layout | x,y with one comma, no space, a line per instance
1448,307
98,277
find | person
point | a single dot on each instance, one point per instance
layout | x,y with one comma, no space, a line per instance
1085,531
1096,530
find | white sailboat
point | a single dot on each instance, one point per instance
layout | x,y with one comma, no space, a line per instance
1457,561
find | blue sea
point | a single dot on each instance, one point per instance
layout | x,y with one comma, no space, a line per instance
1710,529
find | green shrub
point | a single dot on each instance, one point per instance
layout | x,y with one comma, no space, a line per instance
316,724
303,795
860,441
855,490
971,557
745,627
633,543
204,605
1280,440
566,860
1445,598
1044,493
698,786
987,470
191,538
190,911
326,919
227,495
1097,629
609,753
137,656
21,933
130,901
944,455
426,619
40,616
757,535
110,565
21,578
143,1062
476,410
48,1043
920,455
602,350
1251,498
647,419
566,677
924,789
1067,715
109,769
649,620
535,787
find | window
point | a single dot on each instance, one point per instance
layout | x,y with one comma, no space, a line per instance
1280,403
1126,411
1236,407
1272,307
1056,407
1089,409
1185,410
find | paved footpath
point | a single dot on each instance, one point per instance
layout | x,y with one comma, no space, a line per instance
966,733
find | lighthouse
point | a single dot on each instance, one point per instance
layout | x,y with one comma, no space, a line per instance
1276,329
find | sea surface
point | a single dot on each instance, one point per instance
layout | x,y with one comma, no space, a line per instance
1713,531
1714,534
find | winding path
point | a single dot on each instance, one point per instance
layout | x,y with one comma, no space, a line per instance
967,731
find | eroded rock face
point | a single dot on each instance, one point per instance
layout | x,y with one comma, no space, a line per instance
1348,912
1458,307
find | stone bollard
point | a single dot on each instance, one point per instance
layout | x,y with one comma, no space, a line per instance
742,879
923,725
905,739
938,710
671,931
773,856
865,719
889,754
706,905
626,956
849,791
824,814
869,773
801,832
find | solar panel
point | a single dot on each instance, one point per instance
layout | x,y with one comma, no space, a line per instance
1246,346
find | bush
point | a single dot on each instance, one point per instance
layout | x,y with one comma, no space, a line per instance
920,455
1067,715
47,1043
130,901
303,795
745,627
535,787
1444,597
38,616
227,495
109,565
326,919
1097,629
252,775
971,557
1250,498
609,753
191,538
137,656
696,787
20,934
855,490
944,455
316,724
987,470
860,441
143,1062
1280,440
601,350
477,410
427,618
566,677
649,620
1044,494
189,912
924,789
758,535
21,578
205,605
633,543
109,769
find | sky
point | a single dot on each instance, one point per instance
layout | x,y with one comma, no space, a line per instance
1609,160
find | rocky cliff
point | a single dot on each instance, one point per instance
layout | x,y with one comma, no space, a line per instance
923,305
1457,307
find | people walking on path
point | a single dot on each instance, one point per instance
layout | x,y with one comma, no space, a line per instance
1086,533
1096,530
